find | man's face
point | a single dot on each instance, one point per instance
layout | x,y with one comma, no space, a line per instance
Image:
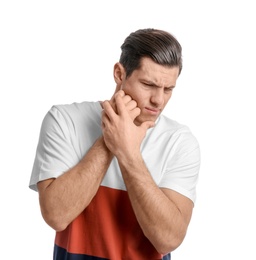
151,87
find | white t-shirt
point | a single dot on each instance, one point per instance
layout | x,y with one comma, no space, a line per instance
170,151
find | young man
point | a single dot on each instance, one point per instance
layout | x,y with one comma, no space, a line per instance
116,179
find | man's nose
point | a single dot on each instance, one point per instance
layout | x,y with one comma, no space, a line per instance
157,97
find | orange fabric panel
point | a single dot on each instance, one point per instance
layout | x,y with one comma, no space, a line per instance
107,228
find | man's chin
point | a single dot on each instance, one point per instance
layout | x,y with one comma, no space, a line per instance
139,120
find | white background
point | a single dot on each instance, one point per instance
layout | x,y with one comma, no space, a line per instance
54,52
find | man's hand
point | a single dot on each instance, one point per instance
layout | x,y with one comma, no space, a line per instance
122,137
130,104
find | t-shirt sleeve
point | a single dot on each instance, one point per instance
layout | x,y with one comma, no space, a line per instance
181,173
55,153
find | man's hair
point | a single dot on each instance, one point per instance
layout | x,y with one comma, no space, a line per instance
159,45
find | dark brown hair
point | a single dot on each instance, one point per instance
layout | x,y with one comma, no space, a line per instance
159,45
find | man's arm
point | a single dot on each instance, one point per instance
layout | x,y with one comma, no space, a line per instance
64,198
163,214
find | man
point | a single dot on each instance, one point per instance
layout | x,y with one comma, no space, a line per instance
116,179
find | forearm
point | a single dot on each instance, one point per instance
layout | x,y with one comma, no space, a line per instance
68,195
159,218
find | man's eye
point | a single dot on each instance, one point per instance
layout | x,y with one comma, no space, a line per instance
148,84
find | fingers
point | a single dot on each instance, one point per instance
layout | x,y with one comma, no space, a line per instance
129,103
121,93
112,100
107,113
134,113
120,105
126,98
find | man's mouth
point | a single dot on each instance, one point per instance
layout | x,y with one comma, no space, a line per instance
153,111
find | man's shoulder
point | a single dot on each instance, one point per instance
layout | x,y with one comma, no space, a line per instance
172,130
77,107
74,114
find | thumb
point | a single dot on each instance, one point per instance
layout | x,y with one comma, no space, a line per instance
147,124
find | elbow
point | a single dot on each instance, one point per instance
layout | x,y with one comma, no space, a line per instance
165,245
53,217
56,225
54,221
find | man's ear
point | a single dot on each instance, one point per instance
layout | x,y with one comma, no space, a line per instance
119,75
